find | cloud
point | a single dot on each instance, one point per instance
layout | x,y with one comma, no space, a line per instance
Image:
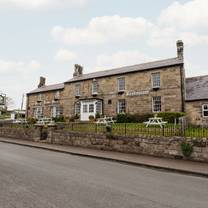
7,67
121,58
39,4
192,14
102,30
63,55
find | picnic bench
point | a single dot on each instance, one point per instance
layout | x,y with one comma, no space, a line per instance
155,121
105,120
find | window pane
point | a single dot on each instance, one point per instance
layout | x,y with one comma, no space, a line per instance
206,113
156,104
77,108
156,80
99,107
121,84
94,87
121,106
85,110
77,90
91,108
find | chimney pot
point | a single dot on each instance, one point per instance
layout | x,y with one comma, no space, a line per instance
78,70
42,82
180,48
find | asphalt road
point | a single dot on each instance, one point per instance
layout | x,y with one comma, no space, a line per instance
42,179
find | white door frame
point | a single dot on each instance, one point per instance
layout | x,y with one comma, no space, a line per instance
84,113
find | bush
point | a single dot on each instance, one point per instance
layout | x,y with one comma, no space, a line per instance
31,120
91,118
97,115
186,149
132,118
73,118
170,116
59,119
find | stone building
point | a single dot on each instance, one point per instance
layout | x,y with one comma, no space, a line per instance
197,100
139,89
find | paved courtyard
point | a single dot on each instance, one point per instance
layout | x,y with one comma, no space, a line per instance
38,178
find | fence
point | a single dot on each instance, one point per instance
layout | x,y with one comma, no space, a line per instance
129,129
136,129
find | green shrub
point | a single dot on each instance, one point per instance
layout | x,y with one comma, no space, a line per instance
132,118
59,119
170,116
31,120
186,149
91,118
97,115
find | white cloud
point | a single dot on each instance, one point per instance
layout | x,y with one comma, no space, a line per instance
38,4
65,55
192,14
121,58
18,66
103,29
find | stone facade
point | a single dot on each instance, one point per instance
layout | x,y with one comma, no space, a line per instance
170,92
194,112
45,101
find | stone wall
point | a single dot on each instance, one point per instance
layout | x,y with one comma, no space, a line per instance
31,134
148,145
155,146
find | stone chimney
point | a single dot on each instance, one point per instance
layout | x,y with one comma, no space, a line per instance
180,47
78,70
42,82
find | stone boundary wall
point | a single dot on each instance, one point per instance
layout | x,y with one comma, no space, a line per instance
169,147
31,134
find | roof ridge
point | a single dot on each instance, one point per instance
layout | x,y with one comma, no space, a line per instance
196,76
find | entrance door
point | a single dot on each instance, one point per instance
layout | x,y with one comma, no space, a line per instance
88,108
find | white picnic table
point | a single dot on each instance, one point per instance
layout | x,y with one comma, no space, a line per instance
105,120
44,121
155,121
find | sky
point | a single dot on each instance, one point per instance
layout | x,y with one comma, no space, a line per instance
47,37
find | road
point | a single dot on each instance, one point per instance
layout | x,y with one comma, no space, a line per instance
35,178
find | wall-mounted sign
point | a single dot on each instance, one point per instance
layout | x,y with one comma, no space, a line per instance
2,99
137,93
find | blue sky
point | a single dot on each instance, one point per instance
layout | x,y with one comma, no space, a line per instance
47,37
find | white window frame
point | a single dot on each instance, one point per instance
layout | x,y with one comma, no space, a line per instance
94,87
77,89
119,106
57,95
38,112
77,108
154,105
85,108
58,111
91,108
40,97
121,84
156,80
204,110
99,107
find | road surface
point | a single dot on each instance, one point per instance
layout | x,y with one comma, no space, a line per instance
34,178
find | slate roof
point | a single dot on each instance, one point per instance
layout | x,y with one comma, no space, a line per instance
197,88
128,69
47,88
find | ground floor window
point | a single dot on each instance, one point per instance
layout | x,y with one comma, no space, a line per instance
38,112
56,111
156,104
121,106
77,108
205,110
99,107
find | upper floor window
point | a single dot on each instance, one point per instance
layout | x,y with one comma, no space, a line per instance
94,87
156,80
121,106
156,104
205,110
77,90
57,95
121,84
40,97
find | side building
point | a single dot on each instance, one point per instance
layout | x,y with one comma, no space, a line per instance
45,101
197,100
140,89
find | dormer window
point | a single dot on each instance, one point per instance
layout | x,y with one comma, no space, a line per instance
156,80
121,84
94,87
77,90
